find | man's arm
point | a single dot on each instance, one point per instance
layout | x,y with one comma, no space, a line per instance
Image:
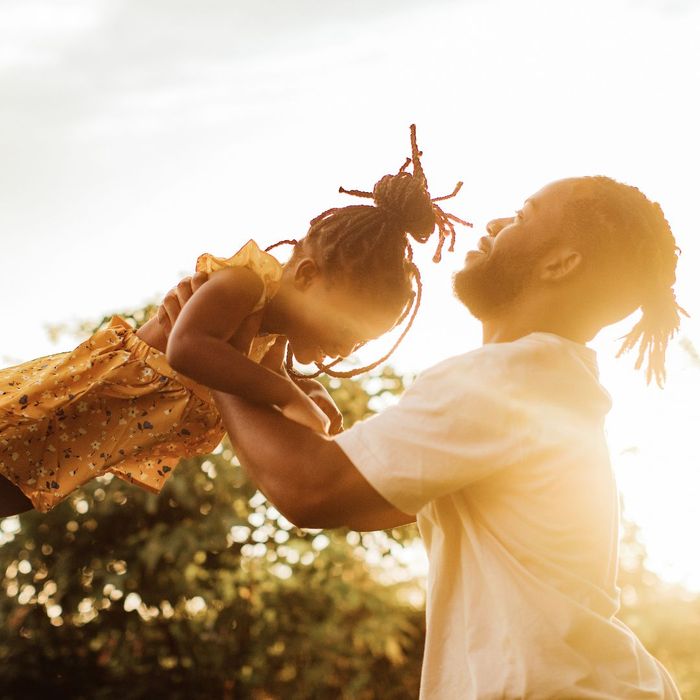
305,474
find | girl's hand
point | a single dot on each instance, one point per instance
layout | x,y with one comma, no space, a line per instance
320,396
274,360
301,409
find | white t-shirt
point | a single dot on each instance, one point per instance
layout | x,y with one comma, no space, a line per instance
501,453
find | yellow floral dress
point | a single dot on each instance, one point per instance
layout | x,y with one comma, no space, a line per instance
112,405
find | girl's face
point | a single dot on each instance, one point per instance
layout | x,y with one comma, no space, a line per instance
329,320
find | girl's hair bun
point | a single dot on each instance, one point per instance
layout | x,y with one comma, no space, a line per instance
369,246
405,201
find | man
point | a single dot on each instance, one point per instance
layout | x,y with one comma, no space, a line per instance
500,455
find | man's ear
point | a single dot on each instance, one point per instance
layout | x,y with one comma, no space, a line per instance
305,272
559,264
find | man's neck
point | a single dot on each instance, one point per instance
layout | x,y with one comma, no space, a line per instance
513,326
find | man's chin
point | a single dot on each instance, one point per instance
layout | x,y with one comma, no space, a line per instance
471,287
489,285
463,288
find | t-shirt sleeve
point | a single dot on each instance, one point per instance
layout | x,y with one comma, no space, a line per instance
455,425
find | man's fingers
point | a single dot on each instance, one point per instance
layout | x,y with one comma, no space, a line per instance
184,291
176,298
171,307
198,279
164,320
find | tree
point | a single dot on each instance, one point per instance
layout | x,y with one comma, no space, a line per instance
666,618
206,591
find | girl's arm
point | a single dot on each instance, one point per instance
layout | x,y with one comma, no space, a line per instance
198,344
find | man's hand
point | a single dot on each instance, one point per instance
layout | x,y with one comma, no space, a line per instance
274,360
156,331
176,298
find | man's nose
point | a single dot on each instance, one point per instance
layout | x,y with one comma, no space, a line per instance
495,225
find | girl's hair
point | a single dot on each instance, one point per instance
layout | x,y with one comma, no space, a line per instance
368,245
635,237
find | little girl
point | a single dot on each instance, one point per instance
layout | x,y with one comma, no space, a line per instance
133,403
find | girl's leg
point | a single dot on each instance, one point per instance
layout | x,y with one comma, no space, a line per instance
12,500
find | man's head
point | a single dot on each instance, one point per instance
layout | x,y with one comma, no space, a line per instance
590,250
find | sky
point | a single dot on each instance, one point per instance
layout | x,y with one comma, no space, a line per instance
135,136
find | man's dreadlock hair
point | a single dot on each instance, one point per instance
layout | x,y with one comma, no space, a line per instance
368,245
632,231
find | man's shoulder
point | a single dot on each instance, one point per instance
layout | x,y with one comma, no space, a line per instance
526,367
488,358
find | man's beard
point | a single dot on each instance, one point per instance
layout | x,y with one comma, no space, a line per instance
491,285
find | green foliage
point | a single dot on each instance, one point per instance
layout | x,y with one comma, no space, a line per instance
206,591
666,618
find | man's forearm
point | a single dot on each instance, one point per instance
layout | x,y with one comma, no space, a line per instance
305,474
284,458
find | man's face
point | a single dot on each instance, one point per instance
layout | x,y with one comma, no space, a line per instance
505,268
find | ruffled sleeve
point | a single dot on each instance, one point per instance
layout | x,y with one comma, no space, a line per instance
264,265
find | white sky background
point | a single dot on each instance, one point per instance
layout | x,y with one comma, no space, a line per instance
136,135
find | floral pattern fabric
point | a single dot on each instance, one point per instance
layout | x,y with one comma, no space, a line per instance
111,405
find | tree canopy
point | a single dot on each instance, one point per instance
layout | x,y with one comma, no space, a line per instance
206,591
